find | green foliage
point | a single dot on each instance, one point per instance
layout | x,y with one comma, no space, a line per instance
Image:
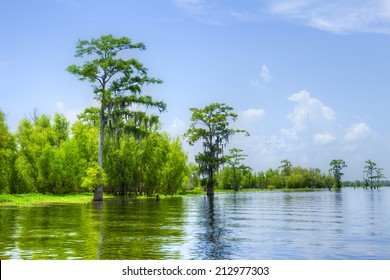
155,164
175,169
90,116
135,166
33,139
298,178
286,167
193,177
234,159
86,138
117,85
61,129
225,178
336,166
95,177
273,178
48,160
295,181
373,175
43,156
211,126
235,175
7,156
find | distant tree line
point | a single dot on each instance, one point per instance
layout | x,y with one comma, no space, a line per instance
294,177
360,183
286,176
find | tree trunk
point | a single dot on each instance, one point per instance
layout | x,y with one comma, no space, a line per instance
101,138
98,192
235,180
210,190
210,183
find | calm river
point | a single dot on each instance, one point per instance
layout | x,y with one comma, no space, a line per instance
347,224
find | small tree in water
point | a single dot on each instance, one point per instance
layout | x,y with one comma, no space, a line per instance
336,166
211,125
373,175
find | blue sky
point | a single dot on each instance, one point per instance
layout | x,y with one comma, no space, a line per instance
310,80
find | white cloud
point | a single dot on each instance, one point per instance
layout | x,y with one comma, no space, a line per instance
290,133
309,110
206,12
244,16
265,75
253,113
323,139
177,123
350,148
196,7
286,7
358,131
334,15
178,127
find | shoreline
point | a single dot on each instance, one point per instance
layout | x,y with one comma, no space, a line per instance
38,199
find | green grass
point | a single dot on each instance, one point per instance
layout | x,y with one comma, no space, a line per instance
36,199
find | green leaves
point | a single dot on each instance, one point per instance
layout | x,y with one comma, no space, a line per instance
105,46
7,155
117,84
95,177
373,174
48,160
336,166
106,72
286,167
211,125
153,164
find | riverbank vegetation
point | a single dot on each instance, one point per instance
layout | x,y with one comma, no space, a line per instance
50,157
119,146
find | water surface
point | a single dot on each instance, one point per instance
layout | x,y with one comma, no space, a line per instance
346,224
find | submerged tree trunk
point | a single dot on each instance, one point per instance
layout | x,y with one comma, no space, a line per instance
210,189
98,194
210,183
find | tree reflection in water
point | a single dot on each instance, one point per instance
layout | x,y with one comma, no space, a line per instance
213,240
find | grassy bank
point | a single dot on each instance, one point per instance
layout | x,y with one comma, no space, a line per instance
36,199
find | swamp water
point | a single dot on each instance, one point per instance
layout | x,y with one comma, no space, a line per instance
346,224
